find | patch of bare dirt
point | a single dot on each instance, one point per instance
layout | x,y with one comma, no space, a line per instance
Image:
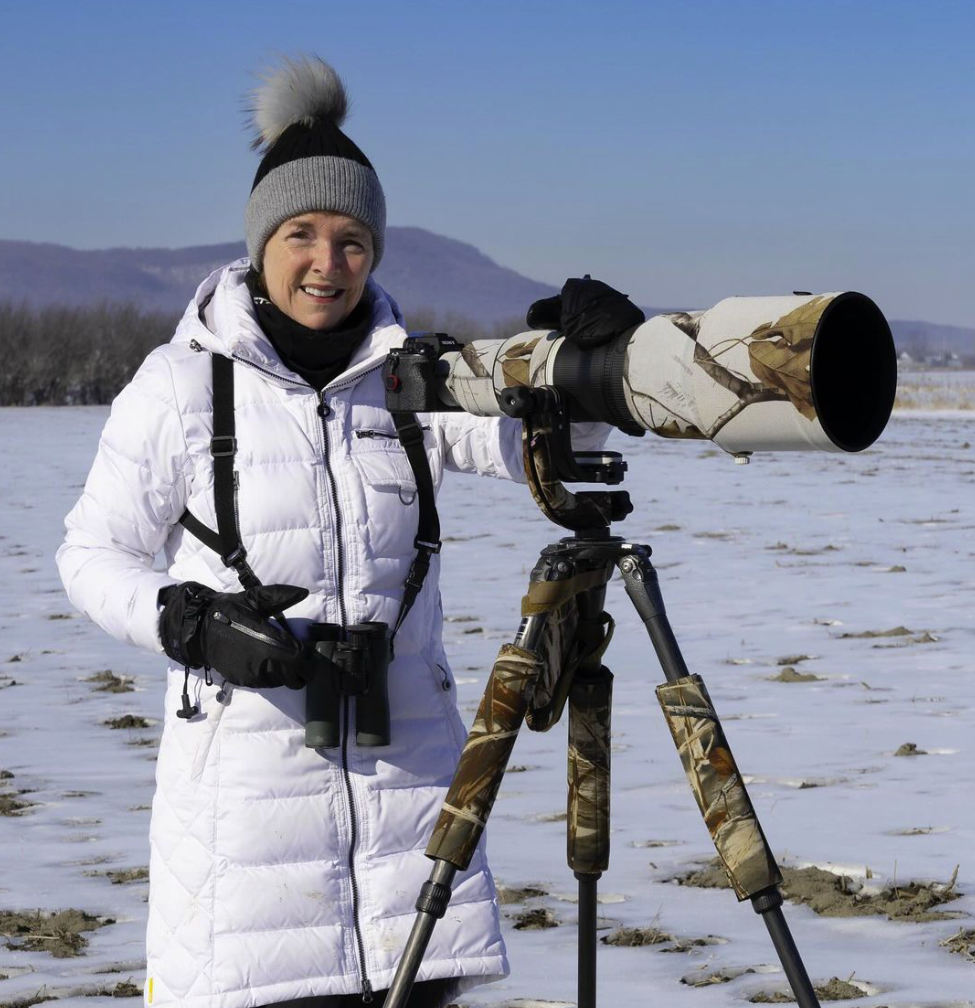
538,919
962,943
833,990
34,999
107,681
120,876
127,721
685,945
518,894
841,896
910,749
58,932
11,800
790,675
123,989
905,636
897,631
719,976
634,937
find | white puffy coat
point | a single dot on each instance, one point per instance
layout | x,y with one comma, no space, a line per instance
276,871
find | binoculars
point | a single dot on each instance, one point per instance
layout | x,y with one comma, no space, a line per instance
350,661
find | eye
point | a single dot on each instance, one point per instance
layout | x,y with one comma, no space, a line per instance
301,234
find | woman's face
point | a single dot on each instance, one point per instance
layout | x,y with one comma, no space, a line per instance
316,266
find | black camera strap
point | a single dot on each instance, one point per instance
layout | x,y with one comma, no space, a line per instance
427,542
226,541
223,447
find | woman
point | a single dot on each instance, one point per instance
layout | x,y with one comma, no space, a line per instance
281,874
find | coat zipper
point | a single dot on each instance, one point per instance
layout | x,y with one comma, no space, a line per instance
384,434
353,840
324,411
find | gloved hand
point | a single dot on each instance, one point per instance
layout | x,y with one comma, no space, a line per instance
587,312
232,633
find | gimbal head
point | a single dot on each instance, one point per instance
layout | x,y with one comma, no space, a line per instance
550,462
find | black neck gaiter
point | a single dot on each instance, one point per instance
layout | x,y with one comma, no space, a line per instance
317,356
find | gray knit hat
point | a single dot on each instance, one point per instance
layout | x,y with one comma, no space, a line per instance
309,163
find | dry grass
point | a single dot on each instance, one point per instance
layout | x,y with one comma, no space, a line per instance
934,390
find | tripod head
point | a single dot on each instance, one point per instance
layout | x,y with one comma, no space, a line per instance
550,462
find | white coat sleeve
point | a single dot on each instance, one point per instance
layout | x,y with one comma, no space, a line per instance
134,494
491,446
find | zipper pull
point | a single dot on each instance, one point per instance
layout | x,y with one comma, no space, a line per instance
445,682
324,410
195,346
367,997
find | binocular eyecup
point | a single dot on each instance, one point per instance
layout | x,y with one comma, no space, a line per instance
350,661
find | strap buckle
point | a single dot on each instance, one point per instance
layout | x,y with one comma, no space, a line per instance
223,452
417,574
409,434
236,557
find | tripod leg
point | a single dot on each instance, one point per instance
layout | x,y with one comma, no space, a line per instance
590,700
472,792
713,774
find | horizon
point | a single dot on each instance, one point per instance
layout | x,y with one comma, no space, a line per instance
681,152
164,248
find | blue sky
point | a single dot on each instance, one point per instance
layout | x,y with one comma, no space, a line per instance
681,151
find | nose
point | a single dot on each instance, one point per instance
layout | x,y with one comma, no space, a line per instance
328,258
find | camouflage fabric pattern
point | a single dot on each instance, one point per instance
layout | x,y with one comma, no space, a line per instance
717,786
482,763
572,511
690,374
780,353
515,362
590,706
557,662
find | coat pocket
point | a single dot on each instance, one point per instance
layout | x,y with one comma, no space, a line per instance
386,472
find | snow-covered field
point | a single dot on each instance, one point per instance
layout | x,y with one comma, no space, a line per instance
794,555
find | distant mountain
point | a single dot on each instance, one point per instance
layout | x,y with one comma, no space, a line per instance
425,272
923,338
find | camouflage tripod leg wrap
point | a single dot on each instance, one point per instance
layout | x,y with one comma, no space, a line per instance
587,836
717,786
485,757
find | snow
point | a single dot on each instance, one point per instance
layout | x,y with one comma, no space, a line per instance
778,558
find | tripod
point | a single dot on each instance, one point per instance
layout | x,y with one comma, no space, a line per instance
554,662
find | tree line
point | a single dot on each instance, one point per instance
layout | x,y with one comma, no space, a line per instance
84,355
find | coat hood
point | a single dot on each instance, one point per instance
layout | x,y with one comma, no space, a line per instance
220,317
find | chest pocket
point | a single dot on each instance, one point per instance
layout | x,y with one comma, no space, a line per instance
389,489
386,470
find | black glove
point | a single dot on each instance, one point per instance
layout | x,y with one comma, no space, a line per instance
231,633
587,312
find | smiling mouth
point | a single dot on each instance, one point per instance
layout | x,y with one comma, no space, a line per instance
323,295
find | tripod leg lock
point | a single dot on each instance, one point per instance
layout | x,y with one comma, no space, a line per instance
768,899
433,899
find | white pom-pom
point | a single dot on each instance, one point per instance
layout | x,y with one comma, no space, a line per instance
300,91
